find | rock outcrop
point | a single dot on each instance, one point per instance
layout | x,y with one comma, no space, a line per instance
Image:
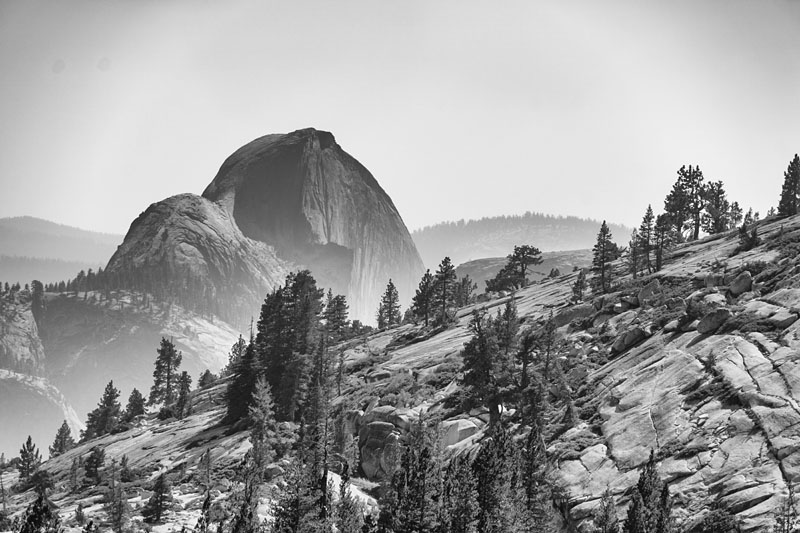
320,208
189,241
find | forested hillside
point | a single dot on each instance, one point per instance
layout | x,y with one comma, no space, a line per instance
494,236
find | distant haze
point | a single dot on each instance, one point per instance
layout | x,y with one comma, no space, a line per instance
32,248
461,109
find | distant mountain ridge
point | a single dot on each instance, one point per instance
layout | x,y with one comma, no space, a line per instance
496,236
34,248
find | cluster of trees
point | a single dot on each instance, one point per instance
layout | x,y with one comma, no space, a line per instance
440,293
293,330
507,487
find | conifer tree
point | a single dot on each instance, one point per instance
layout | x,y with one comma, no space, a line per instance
93,464
422,303
605,516
579,286
165,375
106,417
389,308
40,518
444,285
349,517
646,238
136,405
460,498
790,193
336,312
663,239
236,354
29,459
158,503
634,260
465,288
63,441
685,203
240,390
521,259
717,216
206,379
605,251
650,509
263,427
184,388
489,359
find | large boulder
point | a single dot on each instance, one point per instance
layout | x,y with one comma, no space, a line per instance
651,294
713,320
457,430
379,443
630,338
741,283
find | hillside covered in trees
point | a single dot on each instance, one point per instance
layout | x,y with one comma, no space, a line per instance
468,240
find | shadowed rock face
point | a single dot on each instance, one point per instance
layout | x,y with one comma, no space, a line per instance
321,209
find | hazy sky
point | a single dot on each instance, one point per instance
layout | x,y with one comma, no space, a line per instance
460,109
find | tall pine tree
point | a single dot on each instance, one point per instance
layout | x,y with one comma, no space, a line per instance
790,193
63,441
165,375
604,252
422,303
389,307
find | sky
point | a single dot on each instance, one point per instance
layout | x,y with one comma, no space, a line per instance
460,109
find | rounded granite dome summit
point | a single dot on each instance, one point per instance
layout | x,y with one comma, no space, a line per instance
320,208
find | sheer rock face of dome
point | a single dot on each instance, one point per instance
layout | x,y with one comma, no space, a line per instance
322,210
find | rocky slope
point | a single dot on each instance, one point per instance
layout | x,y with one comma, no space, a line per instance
322,209
696,362
700,368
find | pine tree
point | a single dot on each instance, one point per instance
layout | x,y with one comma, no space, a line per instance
63,441
182,406
646,238
240,389
29,459
444,285
634,260
719,520
717,216
605,516
336,311
460,498
650,509
165,375
663,239
40,518
158,504
236,354
136,405
685,203
94,463
790,194
389,308
488,359
604,251
206,379
422,303
106,417
522,259
463,294
579,286
263,427
348,511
